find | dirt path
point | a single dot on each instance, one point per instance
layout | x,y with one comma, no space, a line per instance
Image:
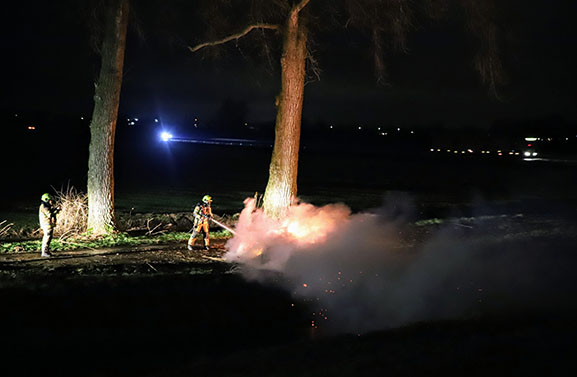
124,260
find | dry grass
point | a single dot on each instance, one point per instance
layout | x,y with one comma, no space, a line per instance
72,221
71,218
5,229
73,214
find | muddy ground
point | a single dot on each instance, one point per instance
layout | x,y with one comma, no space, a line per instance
166,311
130,311
123,261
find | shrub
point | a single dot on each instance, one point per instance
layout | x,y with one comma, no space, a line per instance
73,215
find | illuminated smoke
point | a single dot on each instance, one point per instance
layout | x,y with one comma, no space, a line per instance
267,243
359,273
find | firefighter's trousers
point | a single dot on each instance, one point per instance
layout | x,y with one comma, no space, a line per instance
47,237
201,227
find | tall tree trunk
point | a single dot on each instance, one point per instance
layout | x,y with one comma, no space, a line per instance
282,183
103,124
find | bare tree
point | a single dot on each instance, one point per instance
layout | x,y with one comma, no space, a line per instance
282,184
282,180
387,23
103,124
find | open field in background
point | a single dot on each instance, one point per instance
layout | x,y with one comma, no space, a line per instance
164,178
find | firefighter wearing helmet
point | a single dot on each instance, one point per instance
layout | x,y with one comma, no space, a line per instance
47,216
202,213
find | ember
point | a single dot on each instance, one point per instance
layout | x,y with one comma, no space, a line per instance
358,274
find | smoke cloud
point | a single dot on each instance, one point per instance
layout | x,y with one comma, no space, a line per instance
368,271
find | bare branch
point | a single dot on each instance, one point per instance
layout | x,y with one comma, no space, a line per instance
378,57
247,30
297,8
313,66
487,60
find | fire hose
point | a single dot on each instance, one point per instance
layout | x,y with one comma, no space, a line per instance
222,225
219,224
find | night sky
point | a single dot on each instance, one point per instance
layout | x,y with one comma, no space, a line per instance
49,66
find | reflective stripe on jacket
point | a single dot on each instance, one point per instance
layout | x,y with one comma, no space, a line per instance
201,211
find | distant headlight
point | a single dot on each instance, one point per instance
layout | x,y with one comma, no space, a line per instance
534,154
527,154
165,136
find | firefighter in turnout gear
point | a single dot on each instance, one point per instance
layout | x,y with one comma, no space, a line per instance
47,216
202,213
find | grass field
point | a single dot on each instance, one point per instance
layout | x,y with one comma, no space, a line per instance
164,179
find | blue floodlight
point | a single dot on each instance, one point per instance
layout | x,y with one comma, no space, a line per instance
165,136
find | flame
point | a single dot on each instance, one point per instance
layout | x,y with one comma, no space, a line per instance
307,224
303,225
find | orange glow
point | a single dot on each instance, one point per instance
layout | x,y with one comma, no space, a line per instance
308,224
302,226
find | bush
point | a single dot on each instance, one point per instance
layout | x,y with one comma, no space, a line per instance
73,215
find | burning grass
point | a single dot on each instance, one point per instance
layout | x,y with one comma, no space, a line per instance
379,269
304,226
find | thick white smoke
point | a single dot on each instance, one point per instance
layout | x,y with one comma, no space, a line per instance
361,273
